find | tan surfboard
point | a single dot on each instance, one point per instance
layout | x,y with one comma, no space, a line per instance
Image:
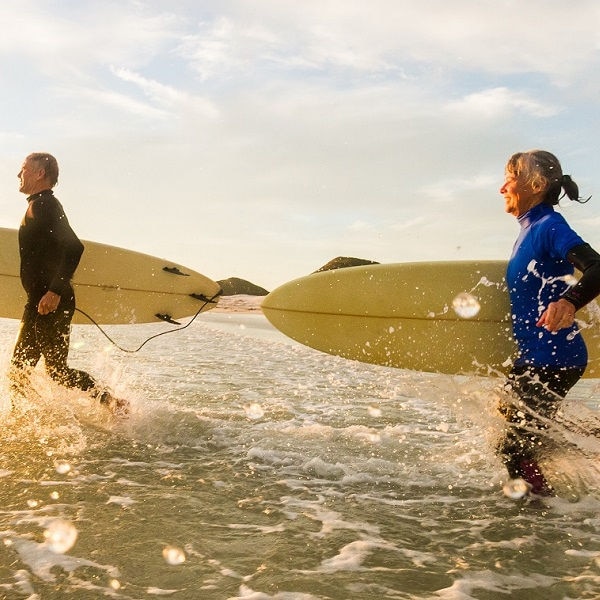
444,317
115,286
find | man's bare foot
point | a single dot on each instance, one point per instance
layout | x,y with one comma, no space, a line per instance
117,406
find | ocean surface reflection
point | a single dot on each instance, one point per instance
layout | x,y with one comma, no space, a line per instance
253,467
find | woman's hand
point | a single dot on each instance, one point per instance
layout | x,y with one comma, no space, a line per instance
558,315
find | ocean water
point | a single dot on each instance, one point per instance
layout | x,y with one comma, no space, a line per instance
252,467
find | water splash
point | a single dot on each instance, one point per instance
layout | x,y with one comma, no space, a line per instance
466,305
60,535
254,411
62,467
516,489
173,555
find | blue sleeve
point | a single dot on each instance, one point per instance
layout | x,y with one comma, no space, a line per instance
559,238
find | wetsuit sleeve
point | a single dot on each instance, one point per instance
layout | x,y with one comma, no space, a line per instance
72,249
62,244
587,260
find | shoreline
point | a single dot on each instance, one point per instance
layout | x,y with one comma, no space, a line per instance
239,303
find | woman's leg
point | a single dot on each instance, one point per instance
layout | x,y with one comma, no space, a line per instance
536,392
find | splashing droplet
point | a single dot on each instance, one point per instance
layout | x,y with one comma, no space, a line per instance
374,411
173,555
60,536
254,411
570,280
62,467
516,488
466,305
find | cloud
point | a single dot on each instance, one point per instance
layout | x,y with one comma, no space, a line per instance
374,129
452,189
500,102
169,97
59,43
101,97
397,38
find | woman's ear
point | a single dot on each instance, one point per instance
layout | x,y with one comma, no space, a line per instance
538,186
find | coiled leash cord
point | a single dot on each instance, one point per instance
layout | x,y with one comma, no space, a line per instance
152,337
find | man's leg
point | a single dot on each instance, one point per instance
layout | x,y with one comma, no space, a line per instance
54,334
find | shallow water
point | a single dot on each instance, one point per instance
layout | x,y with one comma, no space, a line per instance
253,467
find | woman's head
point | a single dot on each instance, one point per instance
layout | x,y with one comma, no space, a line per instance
541,171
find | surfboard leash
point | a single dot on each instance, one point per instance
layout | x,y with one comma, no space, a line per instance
152,337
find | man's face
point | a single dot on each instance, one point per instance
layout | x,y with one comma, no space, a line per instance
31,177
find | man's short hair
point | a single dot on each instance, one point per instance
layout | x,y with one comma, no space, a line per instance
47,162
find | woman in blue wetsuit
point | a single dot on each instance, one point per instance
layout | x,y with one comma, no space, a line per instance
552,354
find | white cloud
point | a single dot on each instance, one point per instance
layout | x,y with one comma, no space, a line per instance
166,96
400,36
99,97
500,102
61,43
452,189
376,129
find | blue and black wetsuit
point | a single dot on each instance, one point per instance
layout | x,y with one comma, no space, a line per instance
539,272
50,252
549,364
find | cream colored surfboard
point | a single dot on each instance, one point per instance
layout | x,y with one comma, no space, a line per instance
115,286
418,316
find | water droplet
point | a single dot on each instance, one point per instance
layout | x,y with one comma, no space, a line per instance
516,488
254,411
466,305
54,495
115,584
60,535
570,280
62,467
173,555
374,411
32,503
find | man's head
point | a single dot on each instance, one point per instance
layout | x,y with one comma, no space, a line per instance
38,173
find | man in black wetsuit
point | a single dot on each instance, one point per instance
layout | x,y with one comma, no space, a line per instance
50,252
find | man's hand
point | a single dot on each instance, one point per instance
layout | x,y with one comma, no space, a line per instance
49,303
558,315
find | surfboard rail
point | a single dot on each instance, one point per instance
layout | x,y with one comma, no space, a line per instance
408,315
115,286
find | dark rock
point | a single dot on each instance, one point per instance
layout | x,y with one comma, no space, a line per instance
234,286
342,262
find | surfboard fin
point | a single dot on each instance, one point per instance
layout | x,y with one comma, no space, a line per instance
203,298
166,318
175,271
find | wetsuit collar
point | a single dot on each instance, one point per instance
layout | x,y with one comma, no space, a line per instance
39,195
533,214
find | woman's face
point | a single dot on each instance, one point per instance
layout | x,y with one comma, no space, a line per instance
519,196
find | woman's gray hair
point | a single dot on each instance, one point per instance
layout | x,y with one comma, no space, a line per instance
542,170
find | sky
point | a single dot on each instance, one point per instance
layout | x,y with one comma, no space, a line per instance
261,138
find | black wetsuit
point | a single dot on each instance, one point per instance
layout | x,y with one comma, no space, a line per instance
50,252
